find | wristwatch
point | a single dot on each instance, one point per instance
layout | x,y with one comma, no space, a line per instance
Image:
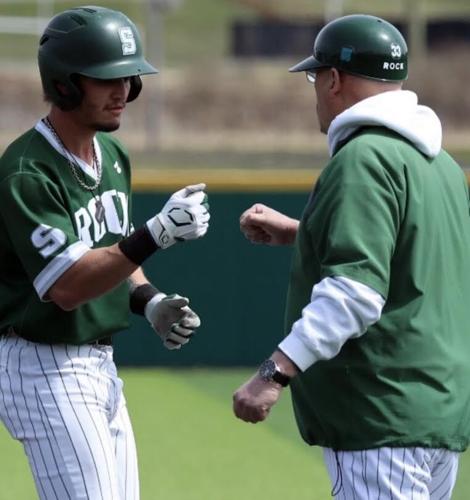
270,372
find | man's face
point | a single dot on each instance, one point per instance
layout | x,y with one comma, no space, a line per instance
103,102
322,91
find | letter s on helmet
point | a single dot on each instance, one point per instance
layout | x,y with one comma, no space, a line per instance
362,45
90,41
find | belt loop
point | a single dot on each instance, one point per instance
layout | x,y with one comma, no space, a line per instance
105,341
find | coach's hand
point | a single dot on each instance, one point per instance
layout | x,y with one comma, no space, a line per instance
261,224
185,216
253,401
172,319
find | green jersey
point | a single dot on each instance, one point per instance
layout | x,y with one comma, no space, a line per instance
386,216
48,221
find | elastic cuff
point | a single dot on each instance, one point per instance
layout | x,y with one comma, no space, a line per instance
295,349
140,297
139,245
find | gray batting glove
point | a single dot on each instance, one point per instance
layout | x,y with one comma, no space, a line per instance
172,319
185,216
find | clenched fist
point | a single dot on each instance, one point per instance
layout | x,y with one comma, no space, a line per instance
185,216
261,224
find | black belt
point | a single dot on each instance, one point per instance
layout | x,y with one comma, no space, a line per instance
102,341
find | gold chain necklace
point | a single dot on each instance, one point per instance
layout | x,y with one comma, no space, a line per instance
74,167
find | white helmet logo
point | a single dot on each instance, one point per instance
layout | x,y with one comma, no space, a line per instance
396,50
127,40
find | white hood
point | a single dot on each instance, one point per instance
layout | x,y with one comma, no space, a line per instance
397,110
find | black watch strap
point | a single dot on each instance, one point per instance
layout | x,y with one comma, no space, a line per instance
281,378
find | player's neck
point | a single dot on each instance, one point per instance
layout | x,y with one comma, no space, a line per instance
74,136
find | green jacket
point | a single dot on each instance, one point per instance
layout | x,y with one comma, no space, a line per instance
387,216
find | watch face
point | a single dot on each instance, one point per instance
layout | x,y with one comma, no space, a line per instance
267,369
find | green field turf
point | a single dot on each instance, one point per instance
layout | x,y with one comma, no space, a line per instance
192,448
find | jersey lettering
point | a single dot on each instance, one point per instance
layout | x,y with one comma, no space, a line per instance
83,222
47,239
116,220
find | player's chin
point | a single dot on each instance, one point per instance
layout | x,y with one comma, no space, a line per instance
108,125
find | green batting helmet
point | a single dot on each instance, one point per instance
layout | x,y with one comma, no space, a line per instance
91,41
361,45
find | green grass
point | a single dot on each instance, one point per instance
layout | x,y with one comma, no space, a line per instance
192,448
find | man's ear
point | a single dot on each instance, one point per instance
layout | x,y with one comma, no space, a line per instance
335,81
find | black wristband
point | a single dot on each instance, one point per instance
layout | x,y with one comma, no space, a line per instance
140,296
139,245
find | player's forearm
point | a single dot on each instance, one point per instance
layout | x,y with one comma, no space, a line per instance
137,278
97,272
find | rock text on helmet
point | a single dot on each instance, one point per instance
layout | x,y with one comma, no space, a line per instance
398,66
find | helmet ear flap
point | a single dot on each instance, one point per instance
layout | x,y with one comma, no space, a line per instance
136,87
70,96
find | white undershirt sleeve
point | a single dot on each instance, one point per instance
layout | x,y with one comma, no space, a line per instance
340,309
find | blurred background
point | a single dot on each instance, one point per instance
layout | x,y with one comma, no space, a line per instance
224,97
225,110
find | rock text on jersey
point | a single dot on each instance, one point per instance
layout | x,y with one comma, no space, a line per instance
116,217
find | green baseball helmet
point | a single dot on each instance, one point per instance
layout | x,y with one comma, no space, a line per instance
91,41
361,45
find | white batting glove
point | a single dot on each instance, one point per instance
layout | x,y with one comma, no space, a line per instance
172,319
185,216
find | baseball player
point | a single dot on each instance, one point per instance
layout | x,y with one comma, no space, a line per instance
70,263
377,344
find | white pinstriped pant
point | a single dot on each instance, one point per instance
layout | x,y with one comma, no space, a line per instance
65,404
392,473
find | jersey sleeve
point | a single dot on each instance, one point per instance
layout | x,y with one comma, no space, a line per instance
40,230
355,218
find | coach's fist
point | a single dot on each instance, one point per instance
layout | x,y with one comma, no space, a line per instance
185,216
261,224
253,401
172,319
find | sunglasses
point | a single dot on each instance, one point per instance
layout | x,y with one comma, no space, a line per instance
312,75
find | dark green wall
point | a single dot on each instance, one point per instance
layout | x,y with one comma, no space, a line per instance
237,288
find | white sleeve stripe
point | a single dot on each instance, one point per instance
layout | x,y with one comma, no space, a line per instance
340,309
58,265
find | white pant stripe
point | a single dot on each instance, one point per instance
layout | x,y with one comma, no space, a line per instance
48,431
415,467
363,474
65,404
125,450
377,474
392,473
81,425
14,392
61,418
24,420
10,391
98,433
449,470
54,446
353,477
403,471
